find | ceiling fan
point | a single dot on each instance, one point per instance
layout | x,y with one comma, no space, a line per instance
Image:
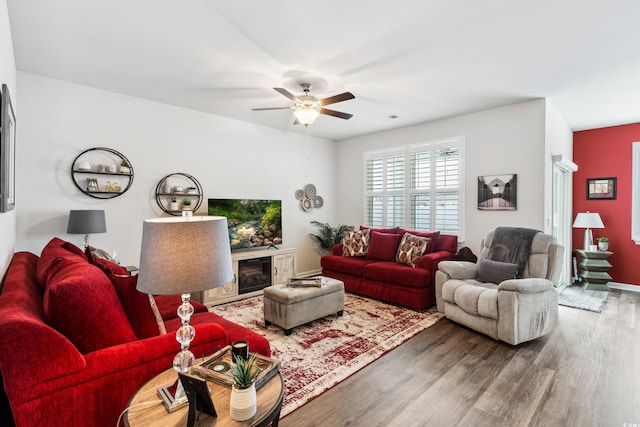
308,107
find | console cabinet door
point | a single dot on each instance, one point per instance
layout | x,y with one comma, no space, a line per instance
284,267
225,292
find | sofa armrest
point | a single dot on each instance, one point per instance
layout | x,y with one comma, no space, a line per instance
461,270
431,260
526,286
336,249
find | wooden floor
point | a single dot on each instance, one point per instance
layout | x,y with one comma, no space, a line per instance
586,373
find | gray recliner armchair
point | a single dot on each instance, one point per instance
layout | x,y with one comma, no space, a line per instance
521,305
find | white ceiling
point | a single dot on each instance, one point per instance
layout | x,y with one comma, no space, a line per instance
421,60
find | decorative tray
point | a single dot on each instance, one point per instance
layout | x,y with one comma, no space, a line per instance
217,367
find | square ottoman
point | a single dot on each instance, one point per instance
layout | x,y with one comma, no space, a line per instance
289,307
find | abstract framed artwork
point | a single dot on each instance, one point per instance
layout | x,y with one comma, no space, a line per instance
498,192
601,188
7,152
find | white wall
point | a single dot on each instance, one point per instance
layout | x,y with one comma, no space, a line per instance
503,140
8,76
230,158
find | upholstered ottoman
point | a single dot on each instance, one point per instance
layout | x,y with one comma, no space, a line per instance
289,307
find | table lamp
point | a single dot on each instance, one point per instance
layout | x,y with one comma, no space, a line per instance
180,255
588,220
86,222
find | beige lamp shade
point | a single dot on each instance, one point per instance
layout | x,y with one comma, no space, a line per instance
184,254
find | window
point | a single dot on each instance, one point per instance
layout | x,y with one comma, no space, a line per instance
419,187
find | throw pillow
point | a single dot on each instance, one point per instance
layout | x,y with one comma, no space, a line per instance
137,306
82,305
393,230
355,243
433,235
490,271
383,246
411,248
56,248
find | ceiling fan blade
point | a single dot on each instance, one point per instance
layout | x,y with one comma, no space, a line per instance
286,93
334,113
296,122
336,98
272,108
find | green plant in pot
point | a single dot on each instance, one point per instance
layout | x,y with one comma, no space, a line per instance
603,243
186,204
173,205
243,392
327,236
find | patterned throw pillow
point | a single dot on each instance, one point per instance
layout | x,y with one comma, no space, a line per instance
355,243
411,248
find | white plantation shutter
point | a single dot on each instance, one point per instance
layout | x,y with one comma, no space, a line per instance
418,187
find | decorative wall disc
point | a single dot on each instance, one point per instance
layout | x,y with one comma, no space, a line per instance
308,197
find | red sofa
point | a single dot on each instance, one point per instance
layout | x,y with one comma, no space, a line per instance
77,340
377,274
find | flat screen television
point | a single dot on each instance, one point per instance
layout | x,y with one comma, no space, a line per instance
252,223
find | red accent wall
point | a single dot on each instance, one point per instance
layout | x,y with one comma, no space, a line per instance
602,153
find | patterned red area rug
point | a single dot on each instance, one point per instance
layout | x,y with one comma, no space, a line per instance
320,354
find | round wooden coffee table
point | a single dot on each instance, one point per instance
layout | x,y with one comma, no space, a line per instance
269,396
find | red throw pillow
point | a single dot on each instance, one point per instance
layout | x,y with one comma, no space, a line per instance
108,267
136,305
56,248
383,246
81,304
393,230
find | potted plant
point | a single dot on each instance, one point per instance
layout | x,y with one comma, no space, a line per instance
328,236
173,205
243,391
186,204
125,167
603,243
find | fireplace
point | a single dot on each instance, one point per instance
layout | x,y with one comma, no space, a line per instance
254,274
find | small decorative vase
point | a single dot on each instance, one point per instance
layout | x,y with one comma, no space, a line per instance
243,403
603,246
166,187
174,206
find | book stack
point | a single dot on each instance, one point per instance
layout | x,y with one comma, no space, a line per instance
310,282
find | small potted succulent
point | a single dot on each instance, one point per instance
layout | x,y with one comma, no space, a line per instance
173,205
603,243
186,204
243,391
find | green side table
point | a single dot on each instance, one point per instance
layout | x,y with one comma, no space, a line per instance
593,268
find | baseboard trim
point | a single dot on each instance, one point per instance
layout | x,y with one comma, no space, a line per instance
623,286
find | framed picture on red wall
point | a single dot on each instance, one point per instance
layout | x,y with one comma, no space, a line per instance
601,188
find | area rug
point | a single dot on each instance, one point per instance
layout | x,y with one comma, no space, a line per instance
576,297
320,354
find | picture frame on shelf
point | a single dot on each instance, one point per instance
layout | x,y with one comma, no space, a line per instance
7,152
601,188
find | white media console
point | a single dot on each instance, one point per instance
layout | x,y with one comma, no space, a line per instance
253,270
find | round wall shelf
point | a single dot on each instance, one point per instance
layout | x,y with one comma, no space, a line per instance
102,173
181,187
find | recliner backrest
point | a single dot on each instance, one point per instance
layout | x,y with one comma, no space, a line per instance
545,258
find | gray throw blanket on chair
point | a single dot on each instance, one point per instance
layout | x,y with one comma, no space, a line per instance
512,244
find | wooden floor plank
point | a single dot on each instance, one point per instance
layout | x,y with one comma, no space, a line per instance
586,373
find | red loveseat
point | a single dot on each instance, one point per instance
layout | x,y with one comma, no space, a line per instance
77,340
377,274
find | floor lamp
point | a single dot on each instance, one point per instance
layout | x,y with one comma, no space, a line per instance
180,255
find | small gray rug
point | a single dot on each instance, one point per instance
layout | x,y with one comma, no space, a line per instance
576,297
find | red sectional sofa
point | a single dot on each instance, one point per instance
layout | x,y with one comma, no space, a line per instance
77,339
377,274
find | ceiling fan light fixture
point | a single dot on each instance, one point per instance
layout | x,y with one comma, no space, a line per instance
306,116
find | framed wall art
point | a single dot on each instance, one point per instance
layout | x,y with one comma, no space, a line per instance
601,188
7,152
498,192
